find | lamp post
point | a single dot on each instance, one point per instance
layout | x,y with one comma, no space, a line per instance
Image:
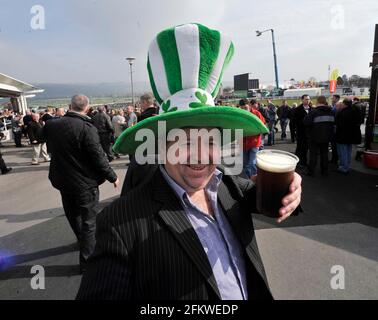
258,34
131,60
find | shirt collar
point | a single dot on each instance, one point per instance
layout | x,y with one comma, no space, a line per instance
212,186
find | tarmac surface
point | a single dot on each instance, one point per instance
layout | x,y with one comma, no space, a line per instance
336,235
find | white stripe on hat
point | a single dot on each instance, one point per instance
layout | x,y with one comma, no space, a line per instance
187,42
158,70
225,43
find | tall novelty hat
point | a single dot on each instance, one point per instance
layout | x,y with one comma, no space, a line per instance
185,66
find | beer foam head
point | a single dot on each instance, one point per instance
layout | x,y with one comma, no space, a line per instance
276,161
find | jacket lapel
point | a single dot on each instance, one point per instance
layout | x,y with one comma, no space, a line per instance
241,224
173,215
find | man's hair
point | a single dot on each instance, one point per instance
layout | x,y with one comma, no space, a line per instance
356,99
147,97
347,102
79,102
252,101
304,96
243,102
101,109
337,96
322,100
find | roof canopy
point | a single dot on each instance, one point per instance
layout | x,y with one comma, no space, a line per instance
10,87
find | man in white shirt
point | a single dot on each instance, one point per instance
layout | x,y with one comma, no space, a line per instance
118,122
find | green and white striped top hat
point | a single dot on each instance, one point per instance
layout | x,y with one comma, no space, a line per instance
185,66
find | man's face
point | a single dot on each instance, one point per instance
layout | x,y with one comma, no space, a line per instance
245,107
306,100
194,177
334,100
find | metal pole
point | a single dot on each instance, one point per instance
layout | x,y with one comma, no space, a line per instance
275,59
132,84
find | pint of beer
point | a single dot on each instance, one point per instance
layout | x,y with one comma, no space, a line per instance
275,172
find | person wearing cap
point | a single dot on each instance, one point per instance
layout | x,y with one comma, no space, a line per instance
187,232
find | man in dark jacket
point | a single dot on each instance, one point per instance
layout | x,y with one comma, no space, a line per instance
302,140
293,134
272,114
320,124
17,130
26,120
147,106
48,115
105,130
37,141
283,113
78,166
348,132
131,179
335,158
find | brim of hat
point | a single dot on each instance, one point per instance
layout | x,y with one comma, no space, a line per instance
205,116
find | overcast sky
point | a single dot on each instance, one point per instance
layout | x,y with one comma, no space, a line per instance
87,40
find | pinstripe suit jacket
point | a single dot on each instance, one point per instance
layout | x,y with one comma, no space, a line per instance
147,249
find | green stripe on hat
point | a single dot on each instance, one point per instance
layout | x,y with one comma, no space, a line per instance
209,50
167,45
152,82
229,56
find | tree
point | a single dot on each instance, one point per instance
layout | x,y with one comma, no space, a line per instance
340,81
227,90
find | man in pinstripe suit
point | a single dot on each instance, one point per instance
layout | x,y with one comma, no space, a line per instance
187,231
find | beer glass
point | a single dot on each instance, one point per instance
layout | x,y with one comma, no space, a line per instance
275,172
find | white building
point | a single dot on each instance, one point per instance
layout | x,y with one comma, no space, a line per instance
296,93
17,91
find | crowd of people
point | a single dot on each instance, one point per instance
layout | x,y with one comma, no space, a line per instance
316,129
110,123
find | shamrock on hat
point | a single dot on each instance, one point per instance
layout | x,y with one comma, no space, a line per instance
185,66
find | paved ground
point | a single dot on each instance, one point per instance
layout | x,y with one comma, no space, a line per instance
338,227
